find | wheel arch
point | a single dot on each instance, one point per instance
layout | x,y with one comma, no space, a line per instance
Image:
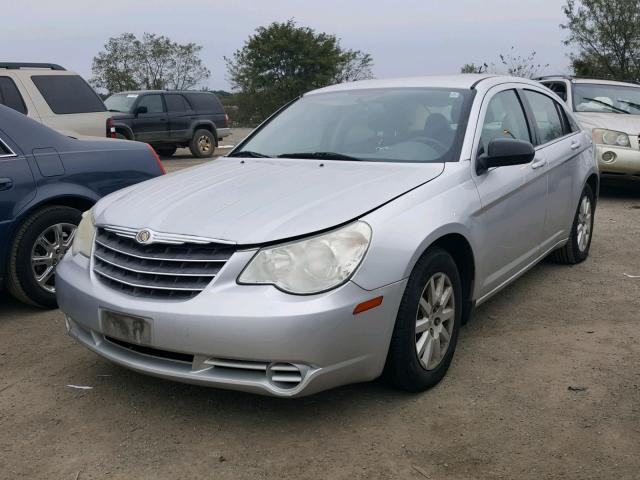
205,126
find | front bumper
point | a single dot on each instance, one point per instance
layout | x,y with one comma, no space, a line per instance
626,161
236,336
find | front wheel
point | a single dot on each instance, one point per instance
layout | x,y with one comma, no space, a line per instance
426,330
577,248
39,245
203,144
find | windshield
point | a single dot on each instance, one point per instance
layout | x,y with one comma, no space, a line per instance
120,102
387,125
602,98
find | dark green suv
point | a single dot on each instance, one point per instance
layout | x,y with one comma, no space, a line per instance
169,119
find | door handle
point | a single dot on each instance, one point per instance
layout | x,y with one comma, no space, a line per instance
6,183
575,145
537,163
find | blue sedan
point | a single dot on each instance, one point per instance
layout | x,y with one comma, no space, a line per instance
46,181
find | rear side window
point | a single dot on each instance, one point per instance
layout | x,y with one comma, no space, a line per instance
152,102
546,116
4,150
176,103
10,96
68,94
206,102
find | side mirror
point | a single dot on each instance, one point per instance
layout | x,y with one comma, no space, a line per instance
503,152
140,110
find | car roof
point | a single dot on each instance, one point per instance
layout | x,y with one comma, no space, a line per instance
457,81
600,81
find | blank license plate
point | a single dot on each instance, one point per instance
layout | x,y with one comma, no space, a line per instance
128,328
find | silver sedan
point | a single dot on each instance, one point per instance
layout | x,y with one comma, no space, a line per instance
348,236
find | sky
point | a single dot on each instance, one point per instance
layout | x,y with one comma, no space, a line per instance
405,37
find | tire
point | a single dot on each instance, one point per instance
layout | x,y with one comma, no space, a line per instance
121,136
203,144
404,367
21,275
576,250
165,150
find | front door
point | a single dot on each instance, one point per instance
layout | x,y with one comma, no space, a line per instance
509,227
152,124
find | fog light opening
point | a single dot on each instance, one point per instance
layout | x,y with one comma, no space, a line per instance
608,156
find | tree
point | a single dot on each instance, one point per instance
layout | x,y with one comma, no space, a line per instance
606,35
473,68
519,66
154,62
281,61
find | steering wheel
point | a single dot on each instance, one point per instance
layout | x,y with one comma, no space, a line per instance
437,145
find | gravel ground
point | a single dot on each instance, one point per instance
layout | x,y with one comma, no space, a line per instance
545,384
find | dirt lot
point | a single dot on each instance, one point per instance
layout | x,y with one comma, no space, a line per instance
545,384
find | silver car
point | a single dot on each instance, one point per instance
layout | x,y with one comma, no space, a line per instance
348,236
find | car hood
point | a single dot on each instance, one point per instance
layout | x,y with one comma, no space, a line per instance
620,122
253,201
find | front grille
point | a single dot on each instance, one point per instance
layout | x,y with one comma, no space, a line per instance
172,270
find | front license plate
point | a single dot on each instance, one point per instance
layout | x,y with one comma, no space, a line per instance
128,328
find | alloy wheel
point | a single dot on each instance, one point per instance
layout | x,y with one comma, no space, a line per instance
583,229
204,144
48,250
434,321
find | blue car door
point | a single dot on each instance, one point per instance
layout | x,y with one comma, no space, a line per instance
17,186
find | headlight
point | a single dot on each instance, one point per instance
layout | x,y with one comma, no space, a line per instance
610,137
85,232
312,265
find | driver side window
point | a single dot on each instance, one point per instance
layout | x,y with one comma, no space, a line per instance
505,118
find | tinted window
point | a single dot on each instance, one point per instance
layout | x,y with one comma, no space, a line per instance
10,96
68,94
382,125
176,103
4,150
152,102
505,118
205,102
559,88
546,116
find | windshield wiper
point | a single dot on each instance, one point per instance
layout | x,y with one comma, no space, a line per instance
114,110
631,104
615,109
320,156
248,153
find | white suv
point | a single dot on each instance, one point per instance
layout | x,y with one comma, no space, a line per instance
58,98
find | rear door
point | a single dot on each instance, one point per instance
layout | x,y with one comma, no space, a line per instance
153,125
561,146
17,186
180,116
510,223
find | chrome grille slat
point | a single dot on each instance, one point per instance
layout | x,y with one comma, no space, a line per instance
175,271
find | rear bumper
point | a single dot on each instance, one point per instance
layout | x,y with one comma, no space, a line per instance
223,132
245,326
626,161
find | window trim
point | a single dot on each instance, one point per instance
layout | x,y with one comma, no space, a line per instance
24,104
6,147
533,119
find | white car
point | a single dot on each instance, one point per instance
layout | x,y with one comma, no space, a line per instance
610,111
56,97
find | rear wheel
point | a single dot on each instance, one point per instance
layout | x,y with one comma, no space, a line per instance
39,245
576,250
203,143
165,150
426,330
